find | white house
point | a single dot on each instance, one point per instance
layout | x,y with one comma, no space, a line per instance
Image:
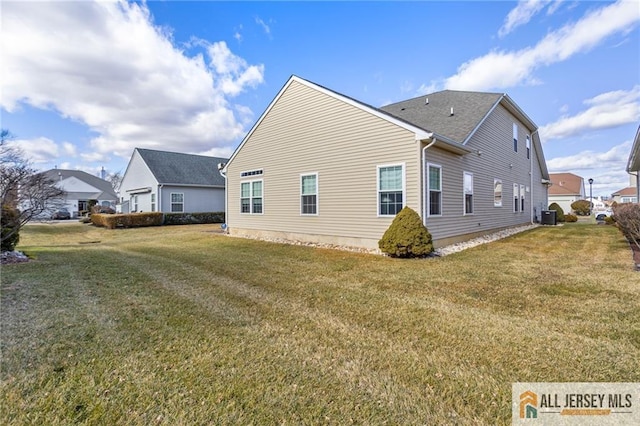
80,189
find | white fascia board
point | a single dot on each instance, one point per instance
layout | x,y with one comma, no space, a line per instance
420,134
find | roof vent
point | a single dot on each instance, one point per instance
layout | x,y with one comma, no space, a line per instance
426,101
451,111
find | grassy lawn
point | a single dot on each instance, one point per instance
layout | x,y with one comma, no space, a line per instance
181,325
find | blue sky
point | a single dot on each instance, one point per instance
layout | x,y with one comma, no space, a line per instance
84,83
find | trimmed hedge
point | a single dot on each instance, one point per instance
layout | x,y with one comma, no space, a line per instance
131,220
193,218
570,218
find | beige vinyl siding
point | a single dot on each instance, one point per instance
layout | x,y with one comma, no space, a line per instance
307,130
497,160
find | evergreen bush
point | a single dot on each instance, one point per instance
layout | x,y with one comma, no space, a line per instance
570,218
581,207
559,212
406,236
9,223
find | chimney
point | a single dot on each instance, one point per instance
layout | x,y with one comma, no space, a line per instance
103,174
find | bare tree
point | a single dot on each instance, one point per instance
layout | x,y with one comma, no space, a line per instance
22,188
115,179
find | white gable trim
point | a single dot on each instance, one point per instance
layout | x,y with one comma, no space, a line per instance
420,134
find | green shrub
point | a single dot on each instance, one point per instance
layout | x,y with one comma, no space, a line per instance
406,236
559,212
570,218
193,218
129,220
10,234
581,207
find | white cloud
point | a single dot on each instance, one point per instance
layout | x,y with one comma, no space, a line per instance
38,150
501,69
606,110
106,65
615,158
605,168
521,14
264,25
69,149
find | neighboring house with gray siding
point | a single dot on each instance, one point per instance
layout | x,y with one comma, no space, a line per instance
80,189
171,182
322,167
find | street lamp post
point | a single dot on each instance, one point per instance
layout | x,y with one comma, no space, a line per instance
590,196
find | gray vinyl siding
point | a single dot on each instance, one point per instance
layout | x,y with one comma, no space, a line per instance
196,199
307,131
497,160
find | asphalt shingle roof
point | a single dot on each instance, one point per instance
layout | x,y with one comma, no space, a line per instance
183,169
105,192
469,108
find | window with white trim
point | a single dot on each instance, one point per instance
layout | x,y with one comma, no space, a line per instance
134,203
515,137
497,193
309,194
177,202
434,189
528,147
251,197
522,198
153,202
516,197
468,192
390,189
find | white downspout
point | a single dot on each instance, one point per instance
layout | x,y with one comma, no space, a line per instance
531,145
223,173
424,181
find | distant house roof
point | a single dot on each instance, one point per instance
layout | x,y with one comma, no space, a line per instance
566,184
183,169
628,191
105,190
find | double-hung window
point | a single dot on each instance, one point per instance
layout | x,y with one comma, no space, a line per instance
515,137
434,189
497,193
528,147
153,202
177,202
251,197
516,197
390,189
522,198
468,192
309,194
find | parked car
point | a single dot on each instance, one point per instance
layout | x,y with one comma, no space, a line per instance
61,214
603,215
